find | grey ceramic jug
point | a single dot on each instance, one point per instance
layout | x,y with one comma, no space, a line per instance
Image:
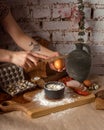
78,62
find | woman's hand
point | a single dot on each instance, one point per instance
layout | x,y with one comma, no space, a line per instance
56,63
26,60
27,43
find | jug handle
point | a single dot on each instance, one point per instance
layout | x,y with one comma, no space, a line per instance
87,47
81,46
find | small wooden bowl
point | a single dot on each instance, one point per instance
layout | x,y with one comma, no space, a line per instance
54,90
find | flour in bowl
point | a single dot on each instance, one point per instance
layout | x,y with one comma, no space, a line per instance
54,87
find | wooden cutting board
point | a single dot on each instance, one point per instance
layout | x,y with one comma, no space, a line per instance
35,109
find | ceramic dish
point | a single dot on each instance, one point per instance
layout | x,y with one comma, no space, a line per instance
54,90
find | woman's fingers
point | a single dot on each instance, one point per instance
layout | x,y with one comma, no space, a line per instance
51,64
41,56
33,59
25,67
28,60
24,59
30,63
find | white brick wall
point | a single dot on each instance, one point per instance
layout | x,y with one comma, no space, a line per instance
88,13
42,12
95,1
98,37
99,14
47,19
59,25
56,1
98,26
66,8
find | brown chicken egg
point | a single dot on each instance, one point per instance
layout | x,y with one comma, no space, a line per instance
59,64
87,83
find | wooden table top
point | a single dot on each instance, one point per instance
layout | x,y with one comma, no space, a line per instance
84,117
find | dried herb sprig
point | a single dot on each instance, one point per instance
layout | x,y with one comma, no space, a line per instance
81,23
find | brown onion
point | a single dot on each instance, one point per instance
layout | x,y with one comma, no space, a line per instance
87,83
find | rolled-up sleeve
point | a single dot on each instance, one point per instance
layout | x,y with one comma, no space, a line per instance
4,10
